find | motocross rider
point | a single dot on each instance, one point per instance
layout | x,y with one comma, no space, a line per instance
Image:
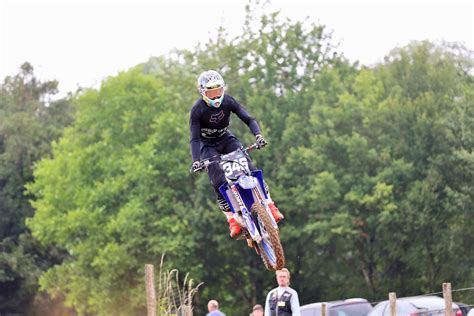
209,127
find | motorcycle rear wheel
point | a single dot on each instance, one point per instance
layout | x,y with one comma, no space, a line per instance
271,250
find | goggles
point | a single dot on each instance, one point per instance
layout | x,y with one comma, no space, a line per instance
214,93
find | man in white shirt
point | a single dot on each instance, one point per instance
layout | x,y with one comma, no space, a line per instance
283,300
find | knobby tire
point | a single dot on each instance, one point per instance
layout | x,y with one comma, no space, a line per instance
275,243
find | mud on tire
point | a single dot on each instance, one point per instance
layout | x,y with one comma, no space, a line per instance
274,236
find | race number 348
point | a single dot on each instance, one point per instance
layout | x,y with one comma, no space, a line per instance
233,167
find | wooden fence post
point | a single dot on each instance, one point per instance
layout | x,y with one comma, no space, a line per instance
448,299
323,309
150,289
188,311
392,297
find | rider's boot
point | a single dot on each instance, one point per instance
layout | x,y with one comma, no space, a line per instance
234,227
277,215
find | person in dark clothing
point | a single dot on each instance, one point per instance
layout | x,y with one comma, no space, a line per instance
209,127
283,300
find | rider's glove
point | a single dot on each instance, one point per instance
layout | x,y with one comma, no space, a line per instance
260,140
196,167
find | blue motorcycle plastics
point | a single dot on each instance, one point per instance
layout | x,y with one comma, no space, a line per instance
247,199
250,224
238,192
246,194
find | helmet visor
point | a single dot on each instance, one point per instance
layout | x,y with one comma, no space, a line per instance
214,93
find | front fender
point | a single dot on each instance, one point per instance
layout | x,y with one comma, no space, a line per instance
245,194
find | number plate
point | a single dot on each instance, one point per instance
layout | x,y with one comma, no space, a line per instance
234,164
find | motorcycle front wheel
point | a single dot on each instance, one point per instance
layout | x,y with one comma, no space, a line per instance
270,247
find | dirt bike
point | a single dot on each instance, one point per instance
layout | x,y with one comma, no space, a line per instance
245,192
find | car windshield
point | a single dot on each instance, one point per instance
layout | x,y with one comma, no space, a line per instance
378,309
311,312
350,310
383,309
427,302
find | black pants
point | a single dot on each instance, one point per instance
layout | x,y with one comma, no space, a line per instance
224,145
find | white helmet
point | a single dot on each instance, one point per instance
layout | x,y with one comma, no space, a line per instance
211,86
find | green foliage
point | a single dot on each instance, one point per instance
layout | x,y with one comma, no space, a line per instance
388,143
114,195
28,123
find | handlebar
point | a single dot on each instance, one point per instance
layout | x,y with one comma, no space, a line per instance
252,147
206,162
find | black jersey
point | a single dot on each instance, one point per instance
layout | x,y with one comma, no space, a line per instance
209,124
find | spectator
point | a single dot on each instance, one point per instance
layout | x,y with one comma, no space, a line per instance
213,308
257,310
283,300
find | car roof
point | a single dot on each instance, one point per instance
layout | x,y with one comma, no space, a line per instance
429,302
334,303
403,307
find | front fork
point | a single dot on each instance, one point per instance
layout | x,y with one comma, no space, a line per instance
252,229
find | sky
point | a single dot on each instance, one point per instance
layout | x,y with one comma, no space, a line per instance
81,43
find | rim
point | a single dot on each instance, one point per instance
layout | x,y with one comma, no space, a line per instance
269,252
267,245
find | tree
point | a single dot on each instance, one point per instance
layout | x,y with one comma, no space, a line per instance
376,168
114,195
28,124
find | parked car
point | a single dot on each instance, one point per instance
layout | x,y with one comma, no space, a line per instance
415,306
348,307
464,308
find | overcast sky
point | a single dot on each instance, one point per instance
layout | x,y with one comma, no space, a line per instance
79,43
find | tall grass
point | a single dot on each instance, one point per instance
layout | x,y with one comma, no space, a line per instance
174,297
